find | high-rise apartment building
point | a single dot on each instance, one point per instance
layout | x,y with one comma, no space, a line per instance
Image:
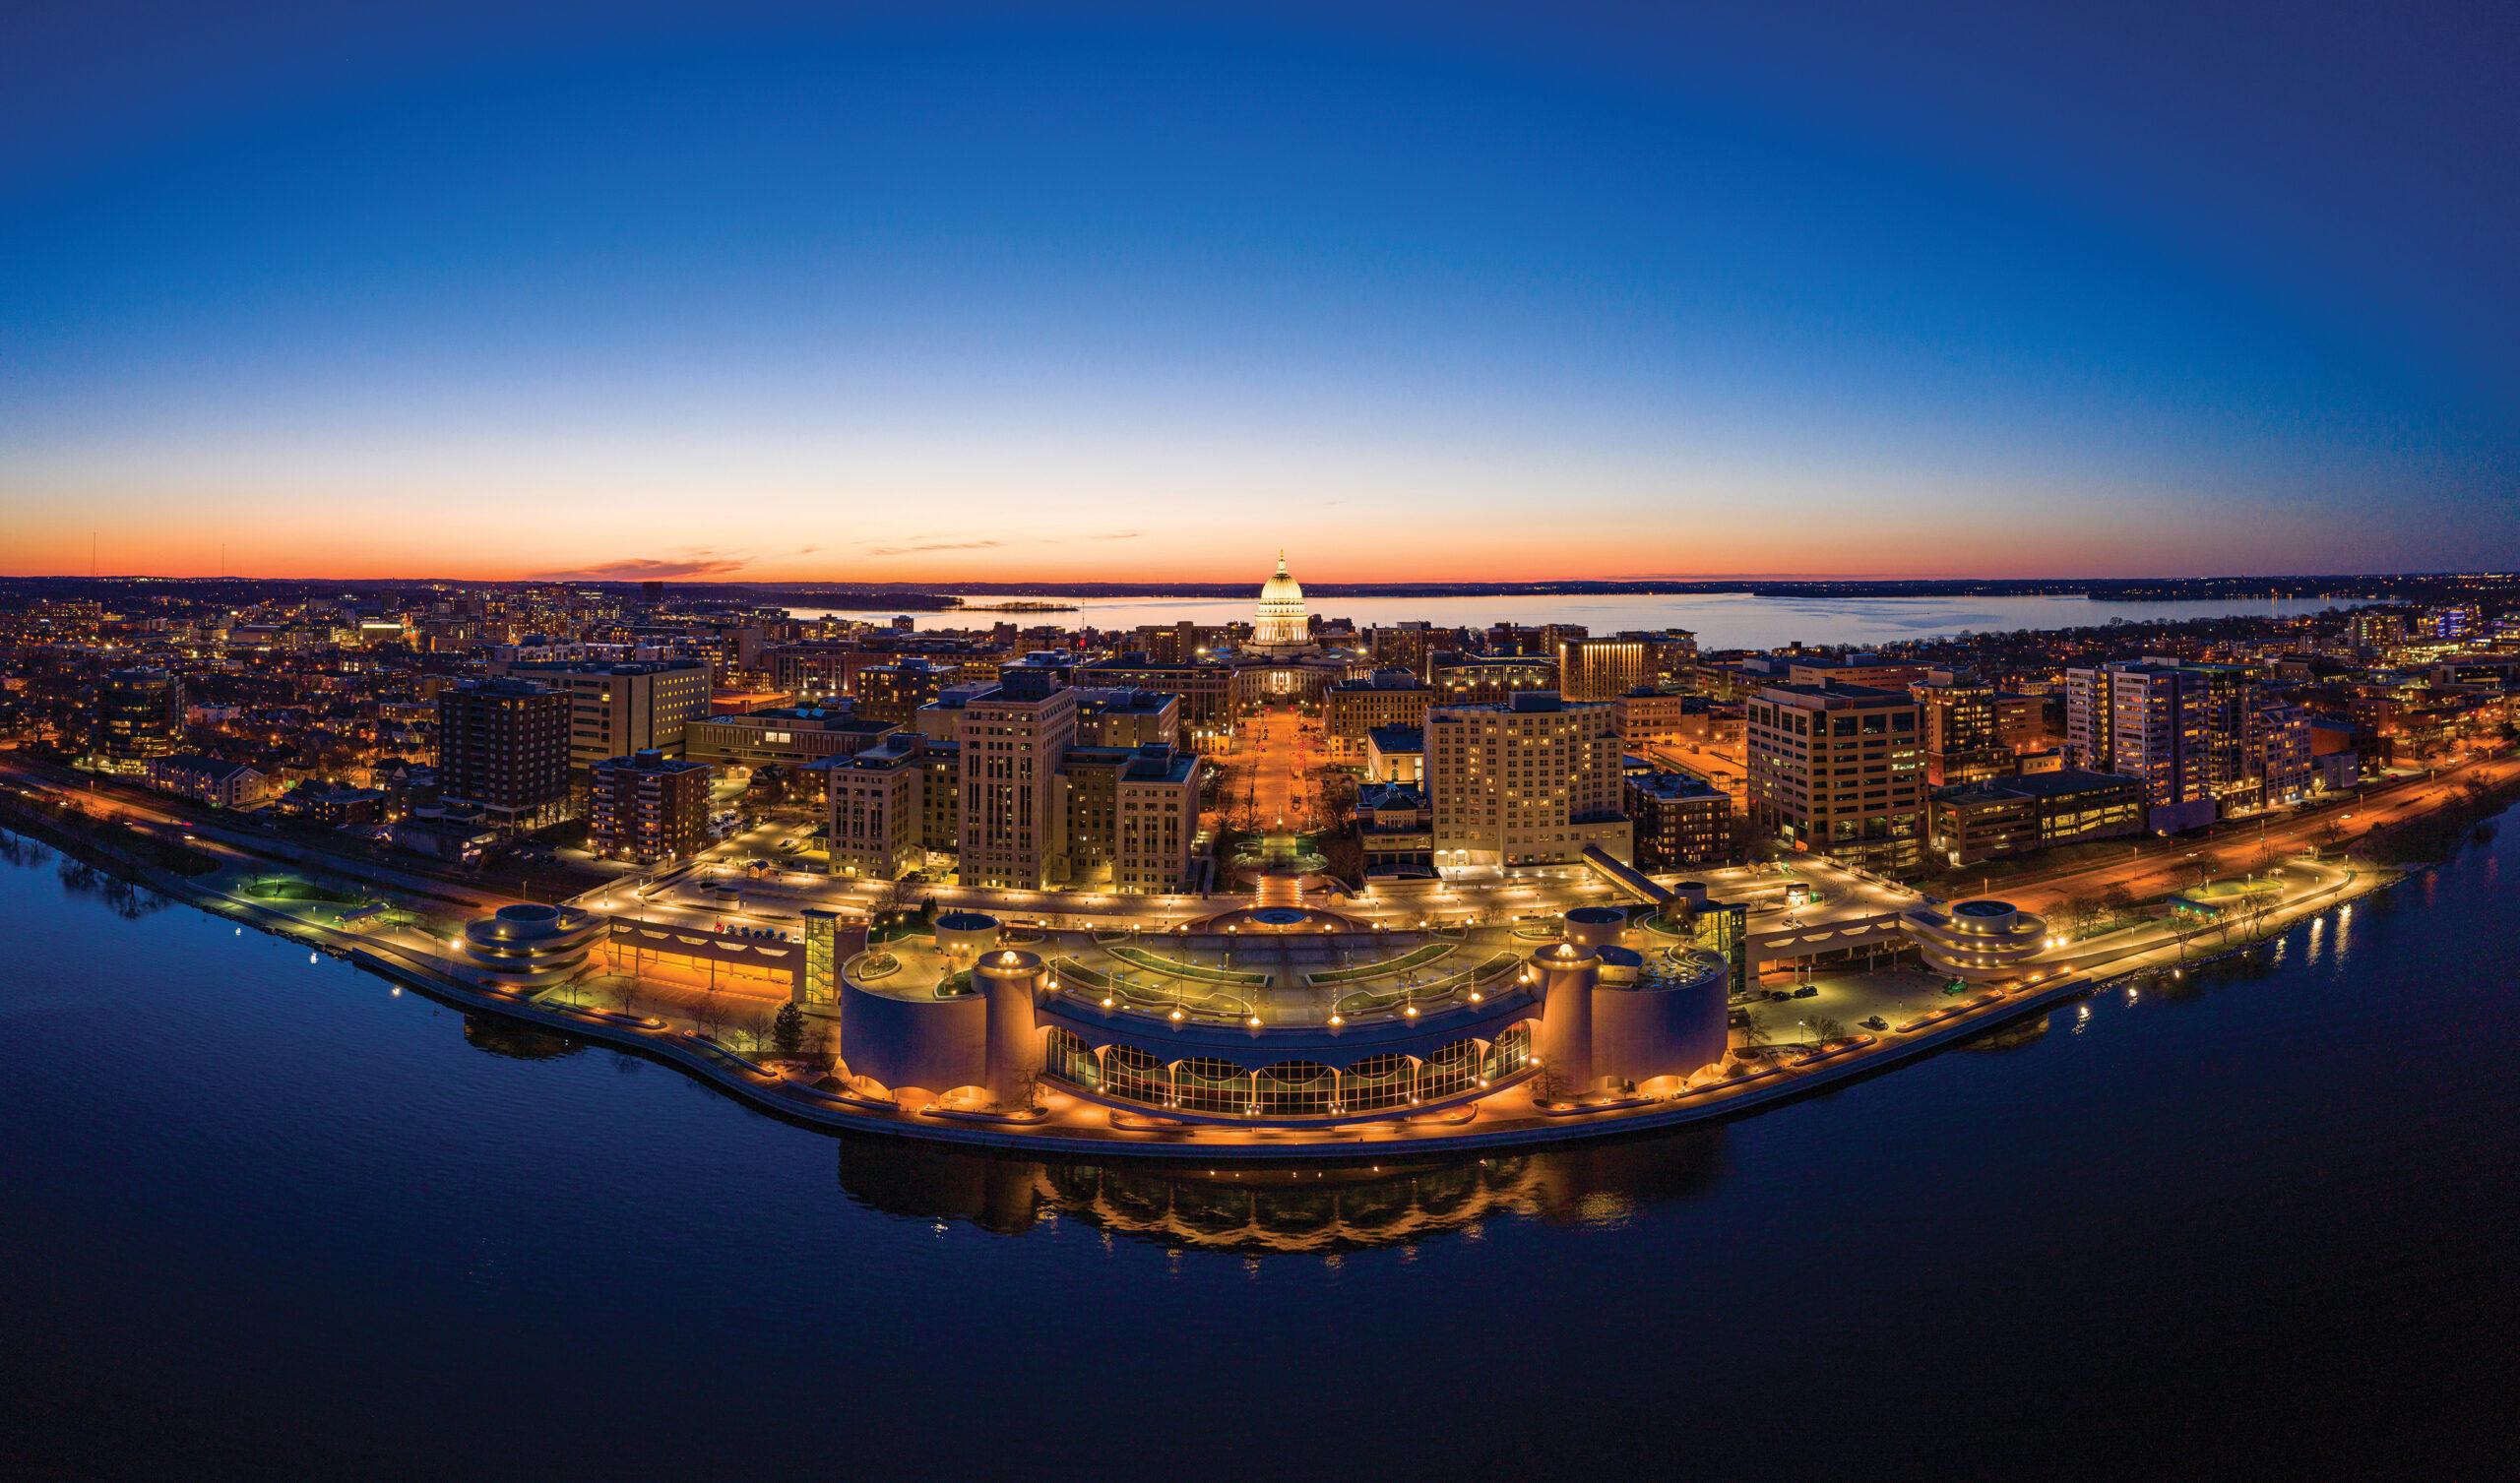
648,807
618,709
1839,769
1534,782
2204,738
1963,740
503,748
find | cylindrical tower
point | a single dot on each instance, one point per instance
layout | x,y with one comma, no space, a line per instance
1566,975
962,936
1590,927
1011,979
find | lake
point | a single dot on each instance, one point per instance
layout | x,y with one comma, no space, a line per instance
1724,620
264,1213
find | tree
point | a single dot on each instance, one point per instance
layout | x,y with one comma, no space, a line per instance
2118,901
2082,913
1754,1030
1825,1029
1025,1095
626,992
787,1031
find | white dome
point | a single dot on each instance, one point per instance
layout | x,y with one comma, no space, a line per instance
1283,627
1282,587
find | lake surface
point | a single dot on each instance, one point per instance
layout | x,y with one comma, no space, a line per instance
1720,620
262,1213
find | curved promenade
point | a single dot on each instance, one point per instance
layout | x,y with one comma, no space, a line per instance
1514,1117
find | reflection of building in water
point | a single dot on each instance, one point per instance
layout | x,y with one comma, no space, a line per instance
1262,1210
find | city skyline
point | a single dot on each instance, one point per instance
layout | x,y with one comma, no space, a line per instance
979,297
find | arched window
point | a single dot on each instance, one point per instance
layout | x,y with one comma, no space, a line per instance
1511,1052
1128,1071
1204,1084
1450,1069
1378,1081
1296,1089
1067,1057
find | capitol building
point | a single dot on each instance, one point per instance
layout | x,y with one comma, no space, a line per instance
1282,625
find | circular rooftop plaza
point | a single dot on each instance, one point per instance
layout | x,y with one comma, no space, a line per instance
1278,1016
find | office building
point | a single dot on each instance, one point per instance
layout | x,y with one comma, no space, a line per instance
1990,820
790,736
1603,669
140,717
1351,709
1679,821
894,692
1156,821
1490,679
1127,718
1839,769
875,825
1649,717
1012,816
1205,686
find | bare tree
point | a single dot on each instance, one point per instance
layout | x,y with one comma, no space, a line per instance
626,992
1025,1095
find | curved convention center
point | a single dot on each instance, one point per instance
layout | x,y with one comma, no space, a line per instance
1275,1017
1979,941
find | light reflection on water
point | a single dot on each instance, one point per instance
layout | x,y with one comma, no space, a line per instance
271,1198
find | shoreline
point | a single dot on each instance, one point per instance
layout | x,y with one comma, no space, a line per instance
795,1101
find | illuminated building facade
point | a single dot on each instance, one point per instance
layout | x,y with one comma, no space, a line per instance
1533,783
1839,769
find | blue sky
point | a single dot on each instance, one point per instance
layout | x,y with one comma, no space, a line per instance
1416,293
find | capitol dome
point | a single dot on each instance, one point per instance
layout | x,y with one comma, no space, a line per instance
1282,625
1280,586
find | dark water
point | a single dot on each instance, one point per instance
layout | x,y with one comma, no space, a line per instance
258,1214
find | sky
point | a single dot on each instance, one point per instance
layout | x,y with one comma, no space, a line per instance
883,293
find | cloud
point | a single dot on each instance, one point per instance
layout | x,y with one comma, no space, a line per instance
914,544
934,545
646,569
